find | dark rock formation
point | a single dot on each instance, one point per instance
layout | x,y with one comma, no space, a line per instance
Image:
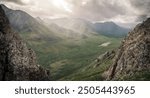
17,62
133,57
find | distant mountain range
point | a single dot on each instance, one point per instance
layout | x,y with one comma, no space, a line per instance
67,46
110,29
80,25
22,22
25,23
62,27
75,24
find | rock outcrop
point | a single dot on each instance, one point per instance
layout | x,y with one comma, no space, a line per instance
17,62
133,56
109,55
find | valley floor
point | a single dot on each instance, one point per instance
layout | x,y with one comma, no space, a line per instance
71,59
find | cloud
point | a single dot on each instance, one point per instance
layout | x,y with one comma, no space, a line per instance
143,6
14,1
99,9
94,10
117,10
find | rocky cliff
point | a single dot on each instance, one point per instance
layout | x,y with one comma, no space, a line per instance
17,62
132,61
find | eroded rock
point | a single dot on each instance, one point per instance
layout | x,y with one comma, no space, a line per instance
133,55
17,61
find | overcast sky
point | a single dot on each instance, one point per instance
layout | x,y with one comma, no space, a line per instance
123,11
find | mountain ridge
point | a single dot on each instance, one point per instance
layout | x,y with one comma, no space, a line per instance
49,51
110,29
24,23
17,62
132,61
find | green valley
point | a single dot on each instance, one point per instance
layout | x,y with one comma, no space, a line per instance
68,59
67,46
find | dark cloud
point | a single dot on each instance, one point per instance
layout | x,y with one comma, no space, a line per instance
143,6
14,1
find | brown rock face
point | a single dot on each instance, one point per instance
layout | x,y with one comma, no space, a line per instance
133,55
17,62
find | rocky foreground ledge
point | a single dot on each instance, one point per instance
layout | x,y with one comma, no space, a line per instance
17,62
132,61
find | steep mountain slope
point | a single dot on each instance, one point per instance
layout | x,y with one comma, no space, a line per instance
110,29
56,29
132,61
23,23
17,62
37,29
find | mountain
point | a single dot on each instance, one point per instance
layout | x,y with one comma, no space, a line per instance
24,23
66,33
17,62
37,29
82,26
110,29
55,29
132,61
21,21
66,49
78,25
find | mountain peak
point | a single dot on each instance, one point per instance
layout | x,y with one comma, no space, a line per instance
133,56
110,29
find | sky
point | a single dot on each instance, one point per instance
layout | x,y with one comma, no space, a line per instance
120,11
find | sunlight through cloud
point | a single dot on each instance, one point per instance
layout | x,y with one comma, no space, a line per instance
62,4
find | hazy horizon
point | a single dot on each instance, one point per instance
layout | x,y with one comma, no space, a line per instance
124,12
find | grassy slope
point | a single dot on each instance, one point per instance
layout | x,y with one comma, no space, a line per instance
70,59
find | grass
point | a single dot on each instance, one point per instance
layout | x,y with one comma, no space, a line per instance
70,59
90,73
142,75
